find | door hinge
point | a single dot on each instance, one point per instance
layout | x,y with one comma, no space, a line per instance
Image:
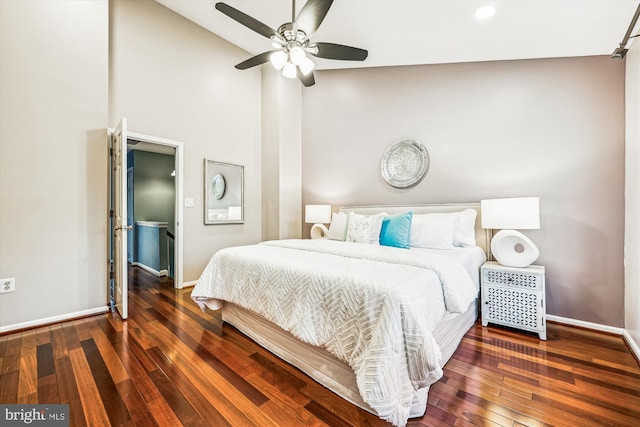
110,213
111,275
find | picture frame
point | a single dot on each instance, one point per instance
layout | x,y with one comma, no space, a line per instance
223,193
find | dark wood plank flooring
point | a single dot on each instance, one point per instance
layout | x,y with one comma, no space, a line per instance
172,365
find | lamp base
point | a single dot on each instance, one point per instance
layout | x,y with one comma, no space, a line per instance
513,249
319,231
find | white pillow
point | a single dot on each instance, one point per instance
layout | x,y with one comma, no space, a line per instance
338,227
364,228
465,233
433,231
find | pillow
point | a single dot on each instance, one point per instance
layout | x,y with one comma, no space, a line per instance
364,228
465,232
433,231
338,227
395,230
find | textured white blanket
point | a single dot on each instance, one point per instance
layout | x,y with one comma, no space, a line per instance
373,307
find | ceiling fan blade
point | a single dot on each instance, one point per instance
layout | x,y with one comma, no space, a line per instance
339,51
306,79
246,20
256,60
312,15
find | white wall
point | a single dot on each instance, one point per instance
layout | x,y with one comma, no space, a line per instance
53,158
552,128
172,79
632,197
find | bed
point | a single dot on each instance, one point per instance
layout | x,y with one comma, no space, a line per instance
373,323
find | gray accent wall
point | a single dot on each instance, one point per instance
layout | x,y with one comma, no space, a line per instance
552,128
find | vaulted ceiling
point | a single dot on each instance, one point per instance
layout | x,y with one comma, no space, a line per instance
409,32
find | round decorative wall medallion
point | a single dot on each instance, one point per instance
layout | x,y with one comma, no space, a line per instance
404,163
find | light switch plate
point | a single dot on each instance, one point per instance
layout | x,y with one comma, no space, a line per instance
188,202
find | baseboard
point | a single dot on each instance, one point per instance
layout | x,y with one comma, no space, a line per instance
586,325
53,319
189,284
151,270
635,349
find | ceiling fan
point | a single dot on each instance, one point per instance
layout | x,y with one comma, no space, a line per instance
291,42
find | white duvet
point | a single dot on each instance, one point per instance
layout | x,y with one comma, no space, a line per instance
374,307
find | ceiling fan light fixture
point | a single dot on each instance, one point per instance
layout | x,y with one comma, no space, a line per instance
291,43
306,66
278,59
289,70
297,55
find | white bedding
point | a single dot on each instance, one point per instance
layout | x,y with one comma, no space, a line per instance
471,257
373,307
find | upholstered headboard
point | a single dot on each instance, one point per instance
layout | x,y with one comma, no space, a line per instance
483,236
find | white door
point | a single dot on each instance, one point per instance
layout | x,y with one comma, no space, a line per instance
120,227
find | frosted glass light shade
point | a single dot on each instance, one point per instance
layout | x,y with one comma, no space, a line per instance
297,55
513,249
278,59
317,214
519,213
306,66
289,70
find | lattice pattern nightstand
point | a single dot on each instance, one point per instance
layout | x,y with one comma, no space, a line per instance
514,296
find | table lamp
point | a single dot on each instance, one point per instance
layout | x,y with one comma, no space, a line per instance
318,215
510,247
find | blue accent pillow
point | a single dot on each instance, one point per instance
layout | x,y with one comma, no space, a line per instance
396,230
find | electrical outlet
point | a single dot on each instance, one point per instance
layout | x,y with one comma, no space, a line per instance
7,285
188,202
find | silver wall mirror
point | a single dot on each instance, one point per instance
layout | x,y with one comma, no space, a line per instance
223,193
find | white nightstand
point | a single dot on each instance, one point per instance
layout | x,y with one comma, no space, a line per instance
514,296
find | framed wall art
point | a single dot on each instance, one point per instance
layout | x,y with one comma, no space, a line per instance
223,193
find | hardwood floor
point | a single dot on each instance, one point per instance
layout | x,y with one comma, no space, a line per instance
171,365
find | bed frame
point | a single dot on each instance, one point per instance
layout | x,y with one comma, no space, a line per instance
322,366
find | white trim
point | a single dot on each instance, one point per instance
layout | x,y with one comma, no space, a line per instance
189,284
631,343
179,180
151,270
586,325
152,224
54,319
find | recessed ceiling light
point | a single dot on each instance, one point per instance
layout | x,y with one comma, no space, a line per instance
485,12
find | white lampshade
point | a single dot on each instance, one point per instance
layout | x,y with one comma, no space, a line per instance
519,213
510,247
317,214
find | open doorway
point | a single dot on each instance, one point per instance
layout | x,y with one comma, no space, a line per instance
145,209
151,200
